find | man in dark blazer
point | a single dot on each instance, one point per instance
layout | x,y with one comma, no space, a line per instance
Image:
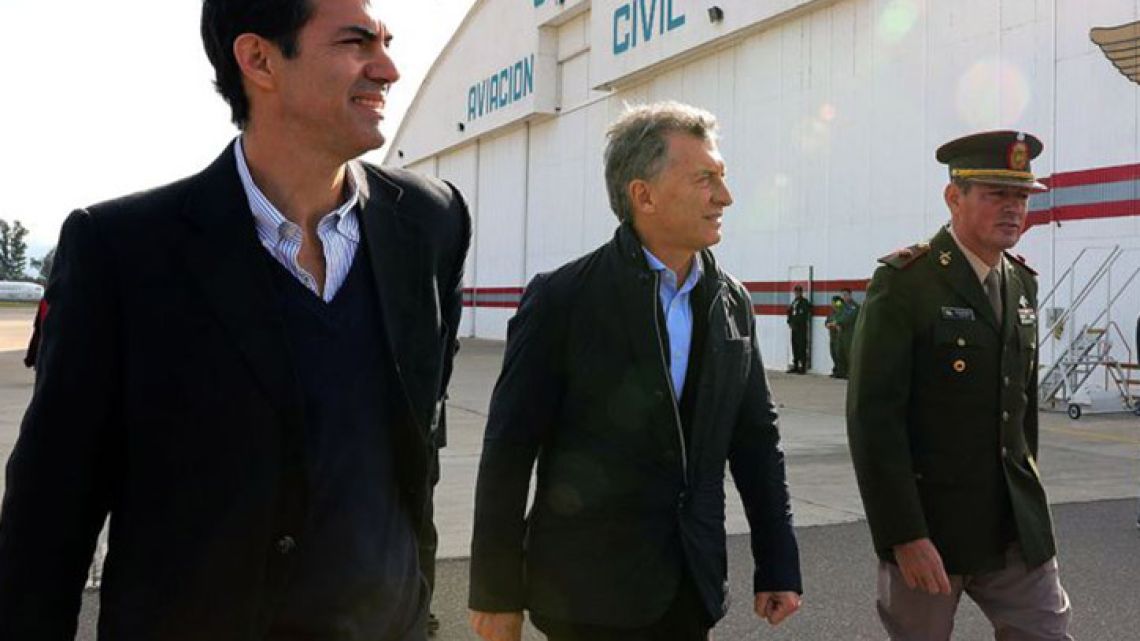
942,412
632,375
244,368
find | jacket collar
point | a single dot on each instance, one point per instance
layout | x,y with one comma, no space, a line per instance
630,248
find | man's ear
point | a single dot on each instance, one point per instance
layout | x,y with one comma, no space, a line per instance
641,196
254,57
952,195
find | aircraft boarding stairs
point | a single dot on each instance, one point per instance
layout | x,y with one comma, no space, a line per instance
1097,346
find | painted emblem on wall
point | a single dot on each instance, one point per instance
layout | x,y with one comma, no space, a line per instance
1119,45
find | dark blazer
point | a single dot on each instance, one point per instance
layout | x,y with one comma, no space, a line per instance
166,397
942,410
622,504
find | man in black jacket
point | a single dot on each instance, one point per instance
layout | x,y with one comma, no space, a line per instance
799,322
632,374
244,368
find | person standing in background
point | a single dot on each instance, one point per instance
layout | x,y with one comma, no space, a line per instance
846,322
835,342
799,321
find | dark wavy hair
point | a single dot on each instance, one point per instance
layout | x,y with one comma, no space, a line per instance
278,21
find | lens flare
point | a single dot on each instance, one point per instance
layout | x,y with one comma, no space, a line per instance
992,93
897,19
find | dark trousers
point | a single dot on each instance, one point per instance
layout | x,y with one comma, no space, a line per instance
429,536
840,352
799,348
685,620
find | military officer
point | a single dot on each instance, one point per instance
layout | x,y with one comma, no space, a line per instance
942,412
799,319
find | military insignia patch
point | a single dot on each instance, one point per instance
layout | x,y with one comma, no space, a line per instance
1018,155
944,258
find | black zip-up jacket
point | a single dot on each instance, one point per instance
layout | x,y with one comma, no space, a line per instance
624,501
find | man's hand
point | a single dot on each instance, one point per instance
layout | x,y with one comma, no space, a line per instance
497,626
921,567
774,607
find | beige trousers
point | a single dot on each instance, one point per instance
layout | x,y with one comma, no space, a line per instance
1022,604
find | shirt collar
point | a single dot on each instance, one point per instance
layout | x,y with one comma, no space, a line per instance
981,269
271,223
671,278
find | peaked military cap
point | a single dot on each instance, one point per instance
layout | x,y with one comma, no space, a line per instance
993,157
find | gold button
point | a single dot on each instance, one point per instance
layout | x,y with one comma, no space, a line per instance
1006,381
1004,452
1005,416
959,366
961,342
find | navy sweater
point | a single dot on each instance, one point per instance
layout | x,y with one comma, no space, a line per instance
357,575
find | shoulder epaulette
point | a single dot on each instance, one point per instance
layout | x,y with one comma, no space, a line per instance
1020,260
905,257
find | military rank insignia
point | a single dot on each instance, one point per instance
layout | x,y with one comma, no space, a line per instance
944,258
1018,155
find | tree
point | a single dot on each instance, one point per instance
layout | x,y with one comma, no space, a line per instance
43,266
13,250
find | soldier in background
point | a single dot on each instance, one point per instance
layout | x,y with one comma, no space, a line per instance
799,318
835,342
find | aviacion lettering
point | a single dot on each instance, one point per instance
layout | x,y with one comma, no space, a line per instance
509,85
638,20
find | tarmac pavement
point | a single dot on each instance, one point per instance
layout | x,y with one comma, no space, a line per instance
1091,469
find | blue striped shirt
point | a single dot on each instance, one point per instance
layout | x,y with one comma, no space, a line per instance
678,313
339,231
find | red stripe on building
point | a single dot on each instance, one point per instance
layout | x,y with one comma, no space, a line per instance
493,290
857,285
1118,209
782,310
785,286
504,304
1095,176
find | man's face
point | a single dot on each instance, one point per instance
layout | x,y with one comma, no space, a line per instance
846,297
688,196
989,218
332,93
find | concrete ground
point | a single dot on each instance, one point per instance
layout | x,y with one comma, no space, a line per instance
1091,469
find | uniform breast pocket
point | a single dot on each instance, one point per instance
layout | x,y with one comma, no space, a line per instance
1027,341
963,353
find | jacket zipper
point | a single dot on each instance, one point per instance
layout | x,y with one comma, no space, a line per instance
669,380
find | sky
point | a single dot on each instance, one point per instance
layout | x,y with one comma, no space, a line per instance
102,99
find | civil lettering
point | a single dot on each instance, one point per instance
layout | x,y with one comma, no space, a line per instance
638,21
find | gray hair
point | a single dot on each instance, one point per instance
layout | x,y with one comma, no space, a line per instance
638,145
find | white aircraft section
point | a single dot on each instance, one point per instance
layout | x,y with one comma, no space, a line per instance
11,290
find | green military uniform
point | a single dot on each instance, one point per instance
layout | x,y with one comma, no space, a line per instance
942,410
838,359
942,402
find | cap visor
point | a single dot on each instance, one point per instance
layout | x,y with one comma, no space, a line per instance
1031,185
